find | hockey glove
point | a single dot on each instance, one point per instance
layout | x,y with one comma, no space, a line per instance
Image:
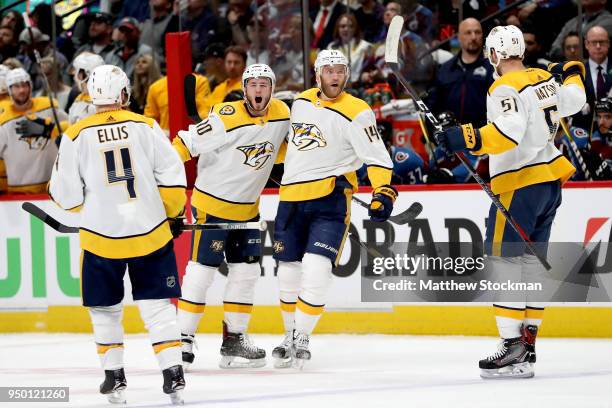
381,205
34,126
458,138
176,225
566,69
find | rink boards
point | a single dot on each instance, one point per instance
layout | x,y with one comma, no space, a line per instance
40,286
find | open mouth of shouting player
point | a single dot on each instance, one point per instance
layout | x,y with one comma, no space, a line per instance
258,92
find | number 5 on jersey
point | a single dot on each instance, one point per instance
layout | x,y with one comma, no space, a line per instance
125,164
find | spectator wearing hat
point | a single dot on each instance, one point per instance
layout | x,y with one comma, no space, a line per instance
31,39
235,63
100,35
125,55
213,64
154,29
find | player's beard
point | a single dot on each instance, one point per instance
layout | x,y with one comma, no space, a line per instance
259,103
332,92
21,101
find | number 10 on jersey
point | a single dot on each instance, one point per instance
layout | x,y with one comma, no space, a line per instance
125,165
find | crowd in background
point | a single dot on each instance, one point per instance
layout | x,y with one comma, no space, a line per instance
442,57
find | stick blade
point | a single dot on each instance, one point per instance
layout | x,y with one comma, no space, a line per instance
392,42
47,219
410,214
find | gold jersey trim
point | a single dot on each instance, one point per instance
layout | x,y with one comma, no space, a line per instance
219,207
558,168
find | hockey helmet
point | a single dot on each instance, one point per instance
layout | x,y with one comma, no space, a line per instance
331,57
17,76
603,105
258,71
106,85
506,41
85,62
4,70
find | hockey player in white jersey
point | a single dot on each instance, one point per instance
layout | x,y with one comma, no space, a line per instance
120,171
333,134
238,144
527,171
83,65
27,136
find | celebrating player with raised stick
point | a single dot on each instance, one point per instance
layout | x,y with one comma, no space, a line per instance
333,134
238,144
120,171
523,108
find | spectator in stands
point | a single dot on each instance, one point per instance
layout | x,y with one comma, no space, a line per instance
125,56
157,100
369,17
598,79
594,14
392,9
287,55
202,22
534,55
138,9
258,35
154,29
31,39
146,72
214,64
8,43
100,35
572,51
235,64
419,20
347,38
14,20
56,84
601,141
239,16
461,84
324,20
41,17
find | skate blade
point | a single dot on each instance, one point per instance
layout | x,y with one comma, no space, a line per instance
176,398
522,370
298,363
116,397
283,362
238,362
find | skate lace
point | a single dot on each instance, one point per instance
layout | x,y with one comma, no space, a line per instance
301,341
501,350
246,342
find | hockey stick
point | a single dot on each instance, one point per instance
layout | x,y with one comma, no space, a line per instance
28,24
391,58
189,84
577,153
59,227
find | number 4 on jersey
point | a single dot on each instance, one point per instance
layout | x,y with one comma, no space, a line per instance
127,175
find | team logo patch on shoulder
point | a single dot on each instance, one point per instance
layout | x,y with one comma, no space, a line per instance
258,154
227,110
307,136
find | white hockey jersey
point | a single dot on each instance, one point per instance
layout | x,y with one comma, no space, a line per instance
120,170
237,152
80,109
28,159
523,110
329,139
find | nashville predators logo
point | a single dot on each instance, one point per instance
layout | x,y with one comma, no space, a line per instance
258,154
278,246
35,142
216,246
307,136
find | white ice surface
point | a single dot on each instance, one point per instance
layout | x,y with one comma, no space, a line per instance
346,371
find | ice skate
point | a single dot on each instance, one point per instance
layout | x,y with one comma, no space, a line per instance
529,334
282,352
238,351
509,361
114,386
187,344
300,352
174,382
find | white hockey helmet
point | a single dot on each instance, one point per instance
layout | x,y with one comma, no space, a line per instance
17,76
507,41
106,84
86,62
4,70
258,71
331,57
